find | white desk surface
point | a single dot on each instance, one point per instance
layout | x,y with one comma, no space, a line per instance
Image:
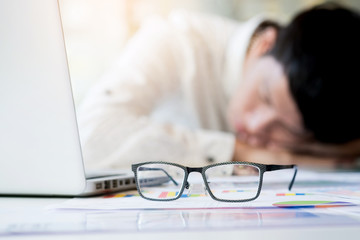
33,218
23,214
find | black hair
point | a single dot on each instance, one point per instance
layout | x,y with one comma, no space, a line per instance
320,53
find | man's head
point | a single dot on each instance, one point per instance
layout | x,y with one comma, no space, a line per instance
301,83
319,51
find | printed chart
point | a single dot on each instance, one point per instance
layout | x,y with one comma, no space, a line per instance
317,200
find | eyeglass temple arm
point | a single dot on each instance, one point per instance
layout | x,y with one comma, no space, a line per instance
274,167
158,169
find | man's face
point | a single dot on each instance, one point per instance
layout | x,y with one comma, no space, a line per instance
262,111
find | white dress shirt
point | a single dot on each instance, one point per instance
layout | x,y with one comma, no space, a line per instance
166,97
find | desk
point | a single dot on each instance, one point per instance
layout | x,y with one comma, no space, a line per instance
12,207
29,218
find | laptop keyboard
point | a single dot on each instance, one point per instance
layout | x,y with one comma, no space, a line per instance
93,175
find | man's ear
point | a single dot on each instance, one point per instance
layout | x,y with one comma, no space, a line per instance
264,42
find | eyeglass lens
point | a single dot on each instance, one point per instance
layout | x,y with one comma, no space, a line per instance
233,181
160,181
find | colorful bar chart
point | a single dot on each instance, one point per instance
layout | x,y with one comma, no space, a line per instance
292,194
311,204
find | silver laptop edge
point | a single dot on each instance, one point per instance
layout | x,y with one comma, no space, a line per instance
40,152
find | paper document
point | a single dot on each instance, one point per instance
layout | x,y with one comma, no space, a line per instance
318,200
311,190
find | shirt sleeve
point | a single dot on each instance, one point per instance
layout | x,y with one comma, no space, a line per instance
115,126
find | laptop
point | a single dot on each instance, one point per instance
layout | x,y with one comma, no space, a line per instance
40,151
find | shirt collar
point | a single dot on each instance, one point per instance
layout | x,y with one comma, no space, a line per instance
236,52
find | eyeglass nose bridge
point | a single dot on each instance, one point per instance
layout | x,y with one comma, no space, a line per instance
190,170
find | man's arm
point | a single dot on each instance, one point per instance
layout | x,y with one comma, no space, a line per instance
115,124
316,158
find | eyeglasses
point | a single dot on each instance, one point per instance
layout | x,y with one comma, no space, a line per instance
226,182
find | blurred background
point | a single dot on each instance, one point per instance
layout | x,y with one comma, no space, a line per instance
96,31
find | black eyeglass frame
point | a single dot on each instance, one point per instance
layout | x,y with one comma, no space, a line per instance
187,170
